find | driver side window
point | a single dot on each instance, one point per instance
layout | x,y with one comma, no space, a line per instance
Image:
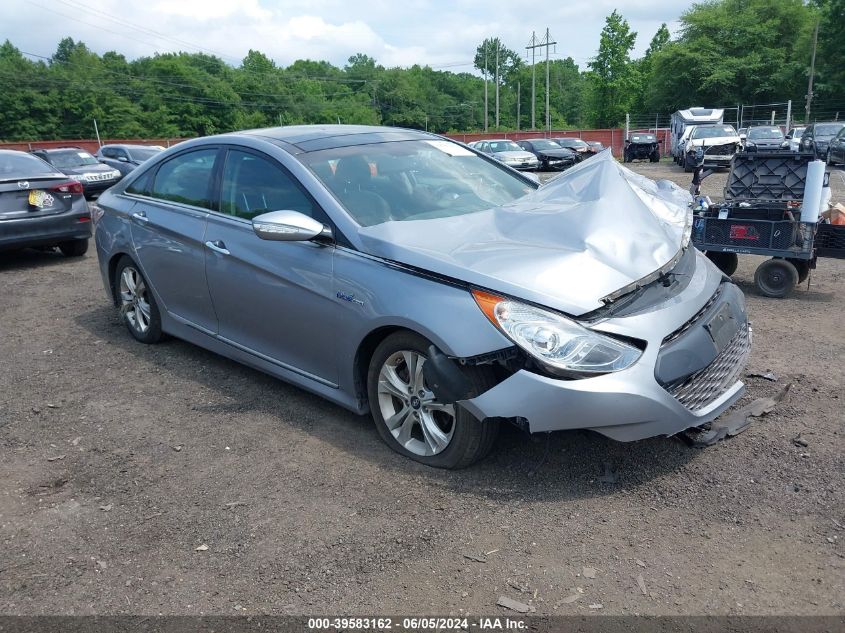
253,185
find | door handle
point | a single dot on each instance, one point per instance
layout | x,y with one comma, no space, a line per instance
218,247
140,216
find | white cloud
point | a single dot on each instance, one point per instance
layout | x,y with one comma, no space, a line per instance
403,33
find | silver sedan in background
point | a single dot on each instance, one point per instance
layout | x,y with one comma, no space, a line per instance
401,274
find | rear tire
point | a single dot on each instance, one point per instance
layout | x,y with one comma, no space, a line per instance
802,266
138,307
776,278
74,248
726,262
392,389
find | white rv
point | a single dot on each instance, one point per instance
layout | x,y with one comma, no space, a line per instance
682,119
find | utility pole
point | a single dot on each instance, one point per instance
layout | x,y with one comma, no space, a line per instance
97,132
497,83
517,104
545,42
485,86
532,46
812,74
789,115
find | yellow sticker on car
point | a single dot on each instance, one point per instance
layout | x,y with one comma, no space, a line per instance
40,199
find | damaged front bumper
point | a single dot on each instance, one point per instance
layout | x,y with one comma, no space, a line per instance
687,375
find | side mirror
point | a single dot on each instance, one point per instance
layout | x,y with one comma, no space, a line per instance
533,177
123,159
288,226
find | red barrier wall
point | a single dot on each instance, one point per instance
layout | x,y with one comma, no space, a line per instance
89,145
610,137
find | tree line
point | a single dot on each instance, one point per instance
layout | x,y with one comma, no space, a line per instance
725,52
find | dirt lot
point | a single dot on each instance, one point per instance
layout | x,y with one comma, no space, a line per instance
120,460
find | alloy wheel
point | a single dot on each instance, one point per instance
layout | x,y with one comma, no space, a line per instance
134,301
410,411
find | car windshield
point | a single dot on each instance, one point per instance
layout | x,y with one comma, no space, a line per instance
413,180
544,144
505,146
712,131
17,165
72,158
757,133
828,130
142,153
643,138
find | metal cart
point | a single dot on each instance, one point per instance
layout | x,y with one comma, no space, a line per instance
760,217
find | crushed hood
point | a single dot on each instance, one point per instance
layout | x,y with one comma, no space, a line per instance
593,230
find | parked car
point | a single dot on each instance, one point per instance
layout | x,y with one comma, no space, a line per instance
40,206
836,149
508,152
765,138
817,136
82,166
400,273
717,143
125,158
551,155
679,151
794,138
581,149
641,146
595,146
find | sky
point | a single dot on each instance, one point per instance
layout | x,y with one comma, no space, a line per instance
442,34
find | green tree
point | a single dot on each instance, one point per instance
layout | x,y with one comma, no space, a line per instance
830,69
734,51
612,77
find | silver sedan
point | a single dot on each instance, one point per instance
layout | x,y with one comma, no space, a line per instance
401,274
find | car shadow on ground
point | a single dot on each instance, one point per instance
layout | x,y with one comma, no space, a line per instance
749,288
550,467
30,258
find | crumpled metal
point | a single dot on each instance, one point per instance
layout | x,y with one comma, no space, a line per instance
596,228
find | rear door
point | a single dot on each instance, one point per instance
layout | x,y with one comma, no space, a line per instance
168,223
273,299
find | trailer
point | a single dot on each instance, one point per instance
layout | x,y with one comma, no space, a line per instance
761,215
682,119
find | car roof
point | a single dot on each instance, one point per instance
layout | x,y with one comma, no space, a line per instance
308,138
53,150
124,145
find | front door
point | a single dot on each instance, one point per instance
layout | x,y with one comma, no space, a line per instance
273,299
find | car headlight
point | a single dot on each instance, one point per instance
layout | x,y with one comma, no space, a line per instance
559,344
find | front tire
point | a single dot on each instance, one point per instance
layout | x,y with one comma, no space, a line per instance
776,278
407,415
138,307
74,248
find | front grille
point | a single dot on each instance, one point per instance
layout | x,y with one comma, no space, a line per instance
692,321
98,177
721,150
703,387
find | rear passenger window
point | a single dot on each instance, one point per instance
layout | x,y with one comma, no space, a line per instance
253,185
186,179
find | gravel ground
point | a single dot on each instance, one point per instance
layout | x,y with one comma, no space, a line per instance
121,461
